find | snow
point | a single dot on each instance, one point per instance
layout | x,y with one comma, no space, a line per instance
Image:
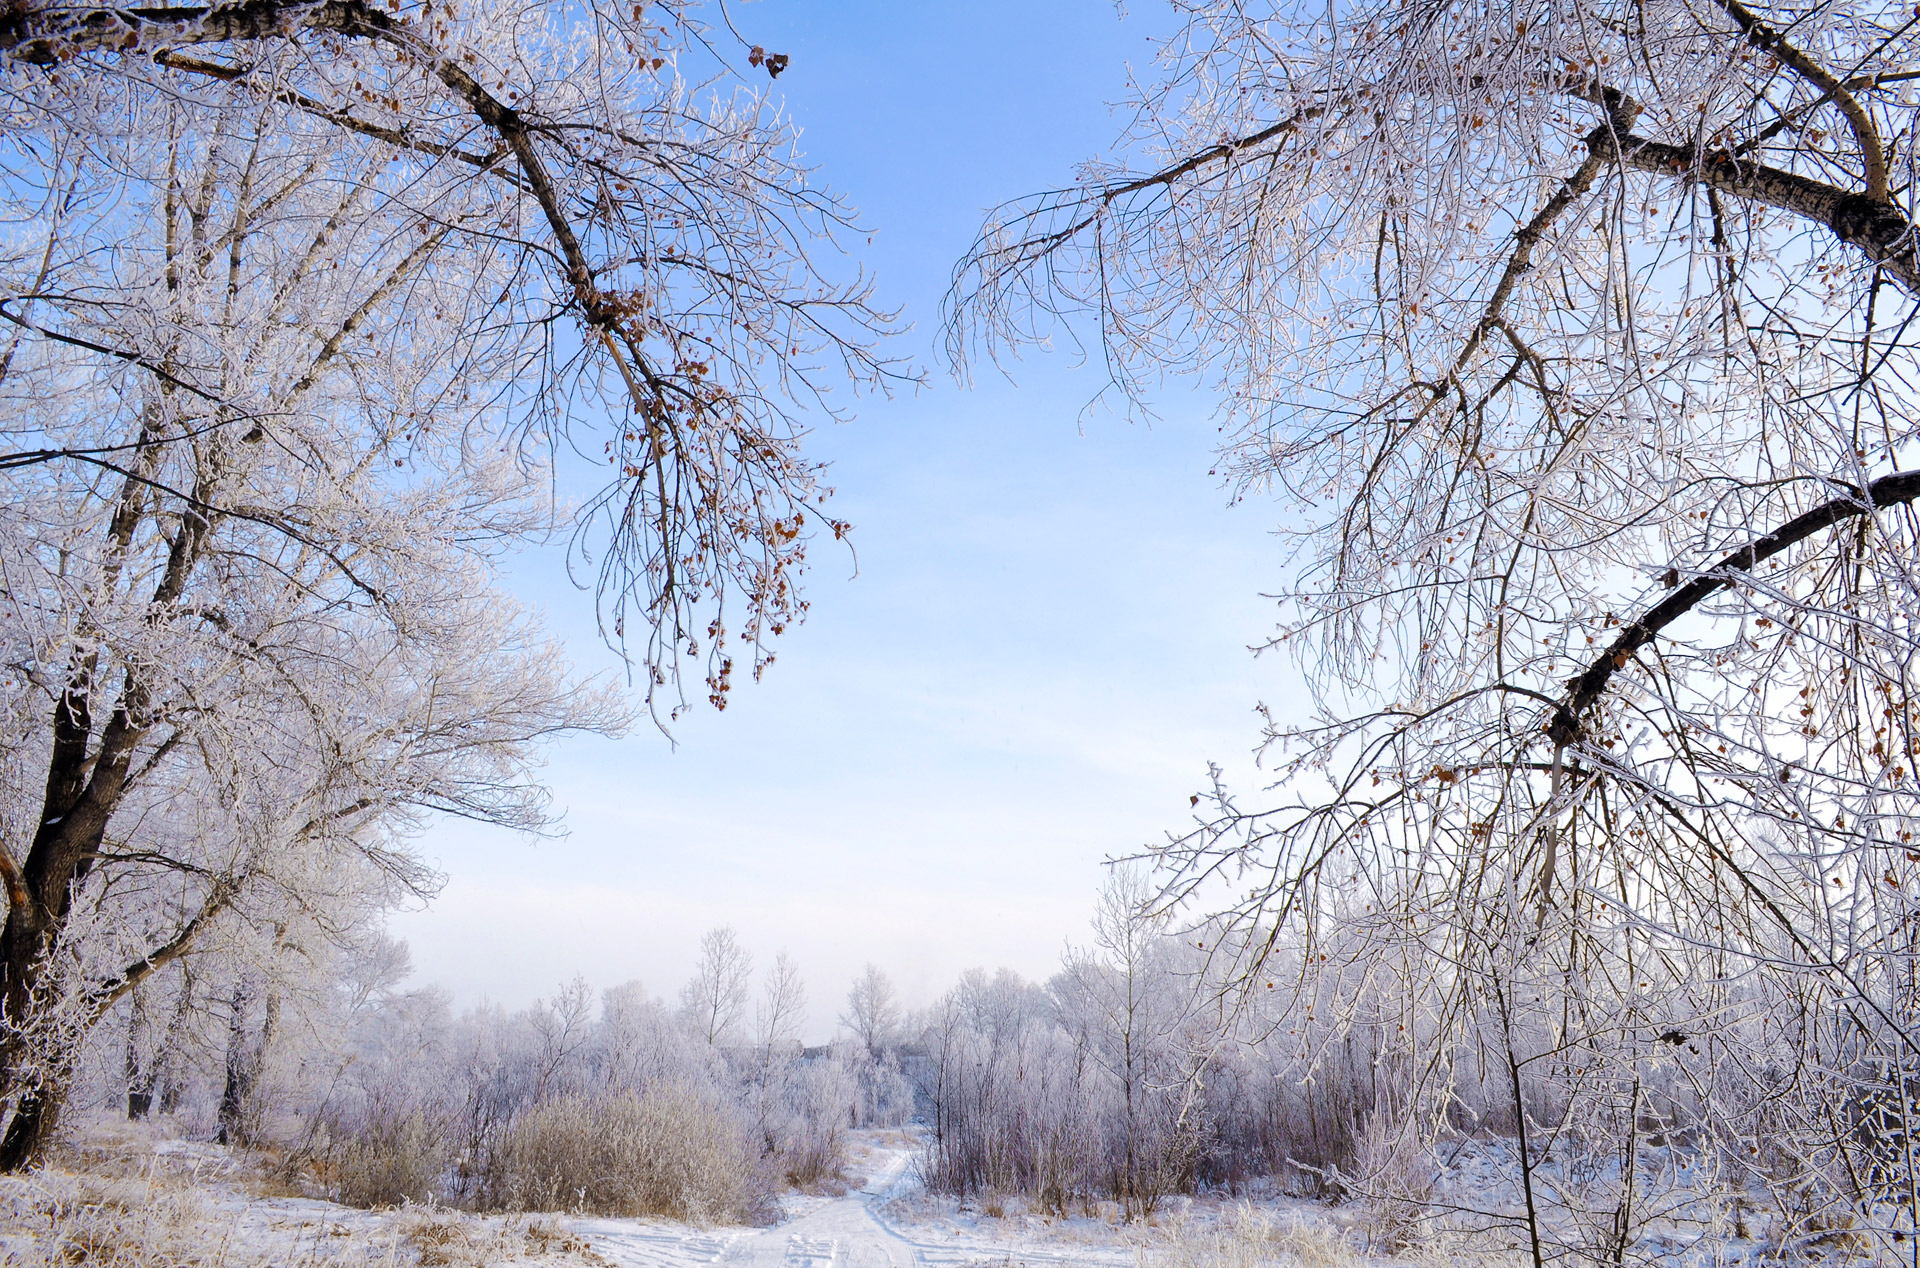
853,1231
176,1201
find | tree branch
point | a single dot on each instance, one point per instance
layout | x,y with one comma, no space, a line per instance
1872,154
336,115
107,993
46,35
1878,228
1585,691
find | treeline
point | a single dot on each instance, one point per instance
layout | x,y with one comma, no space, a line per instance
617,1102
1156,1061
1641,1088
1140,1070
1135,1072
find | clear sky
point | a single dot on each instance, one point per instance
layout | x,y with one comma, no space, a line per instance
1045,643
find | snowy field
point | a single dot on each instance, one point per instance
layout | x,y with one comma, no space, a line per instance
131,1201
179,1203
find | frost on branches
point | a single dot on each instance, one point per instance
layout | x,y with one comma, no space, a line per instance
1577,339
643,225
296,301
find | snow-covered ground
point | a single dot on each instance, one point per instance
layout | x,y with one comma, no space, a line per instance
853,1231
141,1202
172,1202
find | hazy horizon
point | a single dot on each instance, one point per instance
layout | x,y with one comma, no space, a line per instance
1044,645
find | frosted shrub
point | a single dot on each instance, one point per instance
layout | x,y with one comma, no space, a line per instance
1396,1184
820,1104
389,1161
666,1152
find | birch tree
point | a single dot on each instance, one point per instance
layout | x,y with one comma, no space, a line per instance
1577,341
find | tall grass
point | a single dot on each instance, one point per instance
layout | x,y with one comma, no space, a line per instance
155,1222
1248,1237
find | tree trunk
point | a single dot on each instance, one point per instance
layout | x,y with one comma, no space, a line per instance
234,1096
167,1086
87,774
31,1128
139,1072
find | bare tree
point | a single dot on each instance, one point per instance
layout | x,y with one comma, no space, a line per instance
564,1027
1125,1004
714,1000
873,1012
781,1011
650,225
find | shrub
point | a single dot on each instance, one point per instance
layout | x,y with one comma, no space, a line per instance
666,1152
388,1161
1396,1184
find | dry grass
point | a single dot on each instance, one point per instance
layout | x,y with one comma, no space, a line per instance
166,1219
446,1239
58,1218
388,1163
1247,1237
666,1153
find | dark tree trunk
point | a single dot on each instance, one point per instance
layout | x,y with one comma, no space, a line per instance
140,1070
235,1094
89,765
30,1129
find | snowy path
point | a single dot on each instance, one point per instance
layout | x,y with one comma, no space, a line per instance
848,1232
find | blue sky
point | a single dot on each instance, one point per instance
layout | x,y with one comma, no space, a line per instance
1045,643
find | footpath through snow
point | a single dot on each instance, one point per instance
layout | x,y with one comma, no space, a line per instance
846,1232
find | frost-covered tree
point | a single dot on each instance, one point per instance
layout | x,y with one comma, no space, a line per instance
644,222
1125,1002
781,1010
1578,340
873,1010
714,1000
251,630
302,297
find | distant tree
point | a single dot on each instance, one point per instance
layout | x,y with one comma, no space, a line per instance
781,1013
637,1043
563,1027
873,1011
1124,1001
715,998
